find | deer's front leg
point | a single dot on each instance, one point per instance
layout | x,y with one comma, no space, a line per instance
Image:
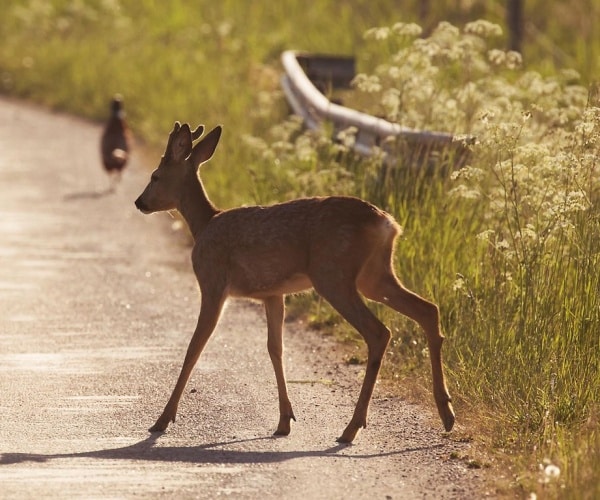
209,315
275,308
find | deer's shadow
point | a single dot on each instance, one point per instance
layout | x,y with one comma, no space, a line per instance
89,195
212,453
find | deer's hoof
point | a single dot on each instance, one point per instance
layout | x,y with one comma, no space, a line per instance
284,427
350,433
157,428
161,425
447,415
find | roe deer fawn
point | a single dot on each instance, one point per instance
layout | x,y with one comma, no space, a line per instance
340,246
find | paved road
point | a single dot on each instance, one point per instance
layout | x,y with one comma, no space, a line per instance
97,306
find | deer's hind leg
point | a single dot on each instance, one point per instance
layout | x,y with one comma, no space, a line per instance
378,282
344,297
275,310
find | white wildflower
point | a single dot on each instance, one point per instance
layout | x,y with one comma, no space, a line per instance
459,283
462,191
486,116
380,33
527,233
576,201
347,137
483,29
427,47
224,29
304,149
446,29
497,57
367,83
502,244
391,101
407,29
570,75
551,472
394,72
282,147
450,104
486,235
514,60
467,172
585,128
253,142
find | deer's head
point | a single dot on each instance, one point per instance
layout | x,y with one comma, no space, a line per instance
177,168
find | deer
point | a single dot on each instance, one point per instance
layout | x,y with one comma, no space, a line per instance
340,246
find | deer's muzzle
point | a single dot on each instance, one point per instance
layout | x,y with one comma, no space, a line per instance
141,206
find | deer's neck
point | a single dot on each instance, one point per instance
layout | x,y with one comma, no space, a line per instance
195,207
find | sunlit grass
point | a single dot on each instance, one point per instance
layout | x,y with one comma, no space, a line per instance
507,244
212,62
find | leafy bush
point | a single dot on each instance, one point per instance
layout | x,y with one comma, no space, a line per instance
508,244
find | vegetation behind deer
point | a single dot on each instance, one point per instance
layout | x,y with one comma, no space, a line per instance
507,247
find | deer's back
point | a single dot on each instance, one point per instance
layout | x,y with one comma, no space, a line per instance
275,247
303,222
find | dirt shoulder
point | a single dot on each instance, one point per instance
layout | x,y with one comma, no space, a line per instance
98,304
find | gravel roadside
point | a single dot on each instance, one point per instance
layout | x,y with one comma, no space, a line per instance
98,304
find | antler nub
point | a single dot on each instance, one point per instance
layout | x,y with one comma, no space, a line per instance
198,132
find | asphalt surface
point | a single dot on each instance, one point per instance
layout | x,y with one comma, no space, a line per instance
97,304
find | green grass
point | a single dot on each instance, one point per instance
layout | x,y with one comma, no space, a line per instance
212,62
508,246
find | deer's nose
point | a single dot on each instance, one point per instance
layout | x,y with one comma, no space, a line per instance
139,203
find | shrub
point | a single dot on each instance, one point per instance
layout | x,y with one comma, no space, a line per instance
508,244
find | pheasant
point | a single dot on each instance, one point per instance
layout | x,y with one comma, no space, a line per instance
115,142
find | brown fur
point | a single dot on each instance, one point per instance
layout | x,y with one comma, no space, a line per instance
340,246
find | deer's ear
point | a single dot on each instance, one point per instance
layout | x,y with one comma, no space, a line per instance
179,146
204,150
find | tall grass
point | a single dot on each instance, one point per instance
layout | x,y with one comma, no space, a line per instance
506,245
214,62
